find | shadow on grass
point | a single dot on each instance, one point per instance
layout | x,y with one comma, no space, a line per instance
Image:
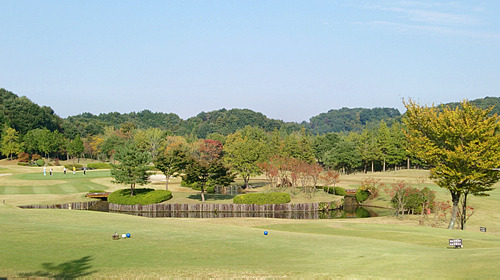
212,196
66,270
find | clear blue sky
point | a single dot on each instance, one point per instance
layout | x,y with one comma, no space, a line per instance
290,60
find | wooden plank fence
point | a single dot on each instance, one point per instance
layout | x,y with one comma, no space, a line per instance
224,208
74,205
202,208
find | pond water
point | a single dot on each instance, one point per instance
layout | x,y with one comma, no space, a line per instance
348,212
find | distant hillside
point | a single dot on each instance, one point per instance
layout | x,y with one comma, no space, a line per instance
228,121
23,115
482,103
221,121
346,119
87,123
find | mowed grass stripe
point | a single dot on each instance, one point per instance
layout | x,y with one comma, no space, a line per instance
10,190
65,188
78,183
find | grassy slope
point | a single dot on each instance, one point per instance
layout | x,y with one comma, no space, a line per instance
225,247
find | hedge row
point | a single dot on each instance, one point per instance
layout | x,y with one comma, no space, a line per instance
335,190
262,198
99,165
143,196
71,165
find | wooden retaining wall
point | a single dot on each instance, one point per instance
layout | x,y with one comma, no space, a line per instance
208,208
223,208
74,205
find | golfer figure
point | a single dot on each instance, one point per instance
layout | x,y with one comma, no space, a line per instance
74,170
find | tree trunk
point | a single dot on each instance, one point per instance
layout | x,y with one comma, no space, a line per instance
246,179
166,183
463,218
408,163
455,197
384,165
373,167
202,195
132,188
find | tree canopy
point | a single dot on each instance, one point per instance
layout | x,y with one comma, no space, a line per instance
462,145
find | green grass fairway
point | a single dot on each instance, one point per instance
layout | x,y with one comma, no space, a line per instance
70,243
58,183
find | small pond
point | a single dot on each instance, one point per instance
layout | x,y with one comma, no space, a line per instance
349,212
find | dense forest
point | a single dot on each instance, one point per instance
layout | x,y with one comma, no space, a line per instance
346,139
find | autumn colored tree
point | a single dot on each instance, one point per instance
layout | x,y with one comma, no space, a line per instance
173,159
330,177
206,167
462,145
400,192
95,144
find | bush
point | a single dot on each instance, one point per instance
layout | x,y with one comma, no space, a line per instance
262,198
35,157
415,199
142,196
76,165
23,163
99,165
23,157
40,162
362,195
209,188
339,191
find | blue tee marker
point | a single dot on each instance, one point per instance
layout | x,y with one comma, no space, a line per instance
265,232
128,235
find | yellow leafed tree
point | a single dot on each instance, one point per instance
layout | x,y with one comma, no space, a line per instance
462,146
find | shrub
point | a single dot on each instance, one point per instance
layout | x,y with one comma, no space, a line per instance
35,157
99,165
262,198
209,188
362,195
23,157
414,199
40,162
76,165
143,196
23,163
339,191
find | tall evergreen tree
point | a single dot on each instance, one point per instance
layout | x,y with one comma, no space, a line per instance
132,168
